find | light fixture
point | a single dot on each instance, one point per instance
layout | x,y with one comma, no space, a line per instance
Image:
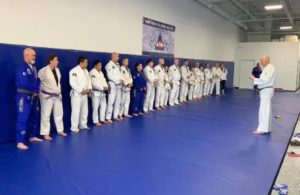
273,7
285,27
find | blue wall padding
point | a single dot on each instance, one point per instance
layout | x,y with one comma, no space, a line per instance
11,56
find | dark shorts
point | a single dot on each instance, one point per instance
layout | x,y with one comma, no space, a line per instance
223,84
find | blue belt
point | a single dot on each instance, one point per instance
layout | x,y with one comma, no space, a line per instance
25,91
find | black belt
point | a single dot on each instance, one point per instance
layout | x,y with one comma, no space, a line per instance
24,91
266,88
51,94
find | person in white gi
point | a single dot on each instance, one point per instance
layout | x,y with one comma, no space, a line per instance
265,84
115,82
125,98
50,98
151,83
192,82
184,86
223,78
218,79
208,80
167,85
174,76
98,95
214,79
202,80
160,91
81,87
197,73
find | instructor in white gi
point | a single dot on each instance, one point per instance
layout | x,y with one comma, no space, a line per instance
151,83
115,81
175,76
160,91
50,98
125,98
266,90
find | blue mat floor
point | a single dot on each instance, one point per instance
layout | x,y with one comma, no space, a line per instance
200,148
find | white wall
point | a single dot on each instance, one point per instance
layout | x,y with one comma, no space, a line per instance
115,25
284,56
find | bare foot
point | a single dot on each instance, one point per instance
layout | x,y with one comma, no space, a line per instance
256,132
22,146
121,118
48,138
35,139
109,121
98,124
103,122
141,113
135,114
117,119
63,134
128,116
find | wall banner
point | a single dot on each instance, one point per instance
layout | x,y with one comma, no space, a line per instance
158,38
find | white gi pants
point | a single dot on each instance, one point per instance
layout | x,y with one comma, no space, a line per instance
196,90
191,92
184,91
201,86
218,87
159,98
176,99
212,86
174,92
265,110
125,101
79,113
99,102
167,94
206,87
149,100
114,100
49,104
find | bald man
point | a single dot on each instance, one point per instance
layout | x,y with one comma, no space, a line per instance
115,82
28,111
265,84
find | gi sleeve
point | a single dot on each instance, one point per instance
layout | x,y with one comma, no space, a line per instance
73,82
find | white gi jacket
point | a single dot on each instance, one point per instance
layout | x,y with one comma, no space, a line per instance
113,72
48,82
224,74
160,74
98,83
127,78
150,75
185,73
207,74
267,77
79,80
174,75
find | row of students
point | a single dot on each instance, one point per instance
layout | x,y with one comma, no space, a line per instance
144,89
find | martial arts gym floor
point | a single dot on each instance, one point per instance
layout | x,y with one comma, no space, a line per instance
200,148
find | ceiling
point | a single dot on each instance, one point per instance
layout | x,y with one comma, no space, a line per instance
251,16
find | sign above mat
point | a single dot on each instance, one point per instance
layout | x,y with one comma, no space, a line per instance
158,38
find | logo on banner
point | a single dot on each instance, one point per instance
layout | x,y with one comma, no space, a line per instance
158,38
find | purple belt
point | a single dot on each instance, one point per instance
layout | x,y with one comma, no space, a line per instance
51,94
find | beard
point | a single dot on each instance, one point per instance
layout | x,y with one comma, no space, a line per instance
32,62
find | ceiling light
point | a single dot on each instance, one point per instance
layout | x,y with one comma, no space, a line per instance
286,27
273,7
